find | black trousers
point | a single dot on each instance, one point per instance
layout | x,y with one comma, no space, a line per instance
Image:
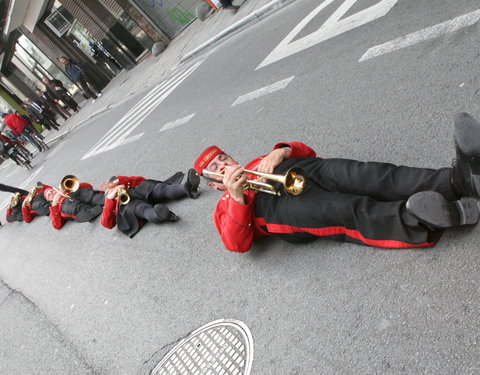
353,201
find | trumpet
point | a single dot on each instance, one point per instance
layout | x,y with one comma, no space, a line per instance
123,196
14,200
293,181
69,184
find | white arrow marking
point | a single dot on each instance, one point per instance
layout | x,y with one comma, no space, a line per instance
333,27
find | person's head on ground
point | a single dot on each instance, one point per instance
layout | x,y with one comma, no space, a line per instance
49,194
213,159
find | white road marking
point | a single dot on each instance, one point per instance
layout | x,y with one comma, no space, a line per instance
172,124
118,134
25,184
58,148
432,32
333,27
263,91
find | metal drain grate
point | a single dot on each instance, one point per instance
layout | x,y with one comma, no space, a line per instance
223,347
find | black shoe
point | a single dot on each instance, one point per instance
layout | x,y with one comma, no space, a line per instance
431,208
233,8
172,217
465,176
191,185
162,212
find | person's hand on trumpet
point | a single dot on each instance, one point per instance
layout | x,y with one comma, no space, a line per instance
235,180
113,192
273,160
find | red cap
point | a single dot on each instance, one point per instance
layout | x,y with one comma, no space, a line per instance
205,158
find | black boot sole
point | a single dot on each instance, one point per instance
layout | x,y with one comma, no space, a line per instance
432,209
467,141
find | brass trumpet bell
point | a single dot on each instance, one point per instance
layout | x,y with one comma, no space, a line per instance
123,196
70,184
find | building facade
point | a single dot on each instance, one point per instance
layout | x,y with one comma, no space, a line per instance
106,36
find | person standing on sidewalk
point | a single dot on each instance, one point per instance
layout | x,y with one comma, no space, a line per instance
56,89
38,113
47,100
78,74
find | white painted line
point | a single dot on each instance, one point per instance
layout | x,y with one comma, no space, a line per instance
432,32
263,91
172,124
119,133
25,184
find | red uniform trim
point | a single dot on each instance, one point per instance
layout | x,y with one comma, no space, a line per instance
331,231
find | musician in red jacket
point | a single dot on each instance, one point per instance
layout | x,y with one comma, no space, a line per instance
376,204
84,205
36,204
146,200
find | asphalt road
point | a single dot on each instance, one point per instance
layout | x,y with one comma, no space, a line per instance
118,305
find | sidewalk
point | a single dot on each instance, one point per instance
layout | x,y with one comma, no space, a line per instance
195,39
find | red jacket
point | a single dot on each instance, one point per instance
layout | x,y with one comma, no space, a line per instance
57,217
15,123
236,223
27,212
110,208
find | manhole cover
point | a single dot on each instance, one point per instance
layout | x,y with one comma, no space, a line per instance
223,347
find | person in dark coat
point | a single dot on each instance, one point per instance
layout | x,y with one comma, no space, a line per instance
146,200
41,114
56,89
47,100
78,73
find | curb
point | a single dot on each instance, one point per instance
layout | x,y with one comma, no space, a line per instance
273,5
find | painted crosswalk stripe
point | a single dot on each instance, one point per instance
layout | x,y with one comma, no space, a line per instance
432,32
172,124
263,91
119,134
